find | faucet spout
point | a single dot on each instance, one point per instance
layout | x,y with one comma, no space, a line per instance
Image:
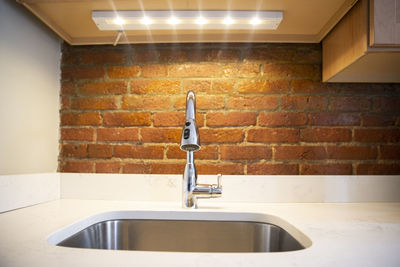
190,142
190,106
190,139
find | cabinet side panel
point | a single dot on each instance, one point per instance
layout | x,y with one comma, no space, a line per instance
346,42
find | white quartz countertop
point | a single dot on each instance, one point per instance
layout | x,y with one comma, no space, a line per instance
343,234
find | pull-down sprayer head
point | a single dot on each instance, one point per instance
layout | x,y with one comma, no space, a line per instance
190,140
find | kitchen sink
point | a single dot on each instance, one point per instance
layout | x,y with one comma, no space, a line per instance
195,232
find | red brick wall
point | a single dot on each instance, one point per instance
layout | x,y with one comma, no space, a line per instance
261,109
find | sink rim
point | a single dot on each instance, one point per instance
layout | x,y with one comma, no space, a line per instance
75,227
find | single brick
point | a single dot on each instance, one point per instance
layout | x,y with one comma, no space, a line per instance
168,119
145,102
161,135
103,57
241,70
300,152
90,118
164,87
326,169
276,71
127,119
145,56
214,55
77,166
275,135
172,56
206,152
100,151
223,168
252,102
103,88
325,135
94,103
198,86
221,135
65,102
194,70
378,169
349,103
82,72
314,87
263,86
310,56
231,119
123,151
70,58
147,152
222,87
282,119
136,168
74,150
368,89
108,167
389,152
201,54
304,102
269,54
352,152
272,169
154,70
68,88
80,134
167,168
384,104
210,102
373,120
139,151
377,135
123,71
334,119
118,134
235,152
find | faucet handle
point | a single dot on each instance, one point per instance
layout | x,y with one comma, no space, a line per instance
219,178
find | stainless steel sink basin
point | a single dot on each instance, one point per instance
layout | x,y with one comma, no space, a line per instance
178,231
182,232
185,236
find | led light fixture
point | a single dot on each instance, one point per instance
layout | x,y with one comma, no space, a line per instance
145,21
119,21
228,21
200,21
186,20
173,20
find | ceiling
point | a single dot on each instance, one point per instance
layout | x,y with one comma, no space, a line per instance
303,20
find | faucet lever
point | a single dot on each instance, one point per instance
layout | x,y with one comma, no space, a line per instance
219,182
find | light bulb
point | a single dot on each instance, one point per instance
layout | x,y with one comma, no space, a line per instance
119,21
255,21
201,20
146,21
173,20
228,21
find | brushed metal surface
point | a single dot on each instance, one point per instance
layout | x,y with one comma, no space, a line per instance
183,236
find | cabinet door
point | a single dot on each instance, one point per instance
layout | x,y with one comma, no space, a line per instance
384,23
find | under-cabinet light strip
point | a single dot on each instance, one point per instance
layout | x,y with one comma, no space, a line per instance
187,20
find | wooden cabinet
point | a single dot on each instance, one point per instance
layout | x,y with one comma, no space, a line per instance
365,45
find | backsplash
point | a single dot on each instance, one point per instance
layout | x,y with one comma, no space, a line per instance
261,109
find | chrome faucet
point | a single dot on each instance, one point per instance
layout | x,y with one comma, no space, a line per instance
190,142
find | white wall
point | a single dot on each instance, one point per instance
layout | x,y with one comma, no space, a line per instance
29,92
